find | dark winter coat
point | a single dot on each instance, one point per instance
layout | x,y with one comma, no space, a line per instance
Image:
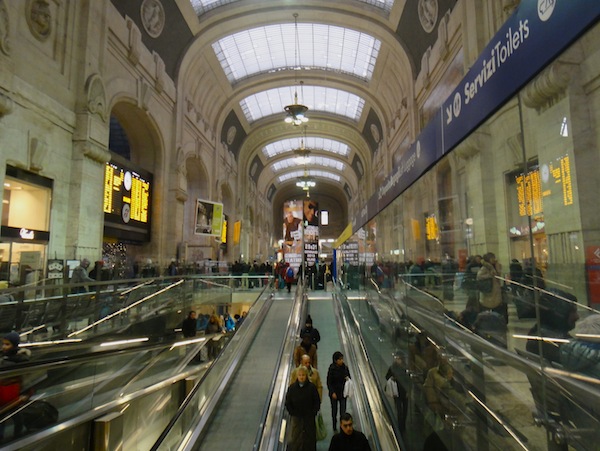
315,336
355,442
303,403
189,327
336,377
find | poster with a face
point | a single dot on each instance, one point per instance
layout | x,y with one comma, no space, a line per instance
311,212
292,222
292,233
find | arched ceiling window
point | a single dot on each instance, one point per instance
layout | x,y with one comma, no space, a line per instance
311,173
270,49
310,142
316,98
313,161
202,6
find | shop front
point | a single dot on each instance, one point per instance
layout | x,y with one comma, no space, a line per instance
25,228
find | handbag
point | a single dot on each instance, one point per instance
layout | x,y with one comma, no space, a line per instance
391,388
321,428
348,388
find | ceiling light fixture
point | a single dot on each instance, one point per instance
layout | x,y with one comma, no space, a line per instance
296,112
305,182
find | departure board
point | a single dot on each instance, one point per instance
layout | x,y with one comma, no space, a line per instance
431,228
127,192
549,179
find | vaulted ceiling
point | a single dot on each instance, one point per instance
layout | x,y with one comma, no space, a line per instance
351,62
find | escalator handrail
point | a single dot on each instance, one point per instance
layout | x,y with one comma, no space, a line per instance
49,364
383,438
251,327
274,411
97,412
126,309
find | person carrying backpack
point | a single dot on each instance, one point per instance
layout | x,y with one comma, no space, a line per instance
289,278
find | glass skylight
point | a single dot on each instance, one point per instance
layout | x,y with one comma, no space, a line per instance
311,173
272,48
310,142
312,161
316,98
202,6
386,5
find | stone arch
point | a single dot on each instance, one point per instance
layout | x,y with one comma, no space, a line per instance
147,151
197,187
145,141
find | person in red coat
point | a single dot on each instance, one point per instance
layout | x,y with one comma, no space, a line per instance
10,388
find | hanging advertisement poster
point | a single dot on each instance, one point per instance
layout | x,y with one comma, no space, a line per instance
292,233
311,231
209,218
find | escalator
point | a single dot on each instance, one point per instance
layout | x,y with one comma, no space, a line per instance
139,380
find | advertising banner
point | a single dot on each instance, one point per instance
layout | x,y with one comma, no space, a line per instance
209,218
292,233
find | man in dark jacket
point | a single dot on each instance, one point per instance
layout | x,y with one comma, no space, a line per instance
189,325
337,375
348,438
315,336
302,402
80,275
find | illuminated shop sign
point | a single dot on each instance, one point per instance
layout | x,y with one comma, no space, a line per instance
21,233
27,234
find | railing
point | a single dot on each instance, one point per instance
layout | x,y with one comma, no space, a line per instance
506,397
189,422
272,430
90,378
113,307
373,418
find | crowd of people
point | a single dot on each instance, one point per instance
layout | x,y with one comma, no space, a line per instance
305,394
212,325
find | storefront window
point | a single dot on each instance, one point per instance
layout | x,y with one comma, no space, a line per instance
26,203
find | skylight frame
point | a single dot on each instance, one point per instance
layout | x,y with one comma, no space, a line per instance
203,6
269,49
310,142
315,173
314,160
316,98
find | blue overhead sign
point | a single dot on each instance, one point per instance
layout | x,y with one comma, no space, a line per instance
423,153
531,38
